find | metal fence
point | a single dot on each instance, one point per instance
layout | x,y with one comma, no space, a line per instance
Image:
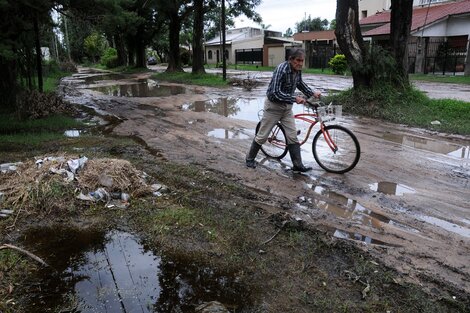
321,53
249,56
439,56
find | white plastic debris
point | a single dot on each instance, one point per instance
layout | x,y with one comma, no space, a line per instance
76,164
435,123
9,167
68,176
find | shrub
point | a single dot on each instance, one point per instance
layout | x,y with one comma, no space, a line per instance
109,58
338,64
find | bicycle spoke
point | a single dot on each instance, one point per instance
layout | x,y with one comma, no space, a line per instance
347,149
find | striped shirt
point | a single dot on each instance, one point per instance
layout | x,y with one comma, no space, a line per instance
284,83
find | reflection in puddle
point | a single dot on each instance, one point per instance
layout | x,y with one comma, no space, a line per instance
93,79
114,272
72,133
430,145
350,209
148,88
227,134
390,188
356,236
247,109
454,228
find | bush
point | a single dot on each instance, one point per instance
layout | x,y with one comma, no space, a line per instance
338,64
109,58
68,67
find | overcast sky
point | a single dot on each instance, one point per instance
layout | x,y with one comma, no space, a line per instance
282,14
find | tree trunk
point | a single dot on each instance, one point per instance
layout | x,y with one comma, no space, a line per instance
174,60
348,34
38,53
140,48
400,26
121,50
8,85
198,29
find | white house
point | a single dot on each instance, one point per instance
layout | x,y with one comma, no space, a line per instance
248,45
440,35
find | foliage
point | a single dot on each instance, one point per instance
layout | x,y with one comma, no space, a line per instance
109,58
33,104
338,64
94,45
408,106
309,24
288,33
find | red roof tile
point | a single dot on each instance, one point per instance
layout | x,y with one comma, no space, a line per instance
421,16
317,35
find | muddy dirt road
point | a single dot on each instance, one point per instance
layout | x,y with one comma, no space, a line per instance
407,201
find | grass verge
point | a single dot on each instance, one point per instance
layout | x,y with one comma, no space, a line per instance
409,107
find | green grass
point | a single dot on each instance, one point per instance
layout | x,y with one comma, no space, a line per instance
441,78
193,79
11,125
411,107
34,132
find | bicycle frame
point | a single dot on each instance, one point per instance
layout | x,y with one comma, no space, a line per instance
313,119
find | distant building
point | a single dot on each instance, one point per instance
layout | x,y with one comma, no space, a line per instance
372,7
248,45
439,36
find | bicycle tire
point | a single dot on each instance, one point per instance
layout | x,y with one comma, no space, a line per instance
348,149
275,147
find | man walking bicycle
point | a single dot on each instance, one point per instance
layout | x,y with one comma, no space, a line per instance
287,77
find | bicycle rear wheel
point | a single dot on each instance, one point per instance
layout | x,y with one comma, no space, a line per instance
336,149
276,145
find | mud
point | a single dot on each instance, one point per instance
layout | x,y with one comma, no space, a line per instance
406,202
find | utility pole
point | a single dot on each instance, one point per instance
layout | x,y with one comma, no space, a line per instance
224,61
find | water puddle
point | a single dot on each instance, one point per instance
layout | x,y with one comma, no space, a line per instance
359,237
390,188
247,109
441,147
95,78
227,134
451,227
115,272
149,88
349,209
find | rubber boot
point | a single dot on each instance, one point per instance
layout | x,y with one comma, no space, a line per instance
294,151
250,157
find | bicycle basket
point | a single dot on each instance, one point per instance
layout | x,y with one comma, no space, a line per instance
330,112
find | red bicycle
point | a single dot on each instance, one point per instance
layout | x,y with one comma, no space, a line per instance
335,148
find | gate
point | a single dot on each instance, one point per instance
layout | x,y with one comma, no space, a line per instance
249,56
440,55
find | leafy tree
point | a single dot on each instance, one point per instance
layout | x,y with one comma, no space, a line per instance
288,33
94,46
309,24
333,24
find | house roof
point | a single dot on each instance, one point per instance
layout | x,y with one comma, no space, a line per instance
421,17
316,35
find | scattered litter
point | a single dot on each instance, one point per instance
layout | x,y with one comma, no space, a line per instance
5,213
110,181
435,123
75,165
9,167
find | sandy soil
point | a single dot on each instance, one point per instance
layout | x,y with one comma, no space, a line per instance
406,202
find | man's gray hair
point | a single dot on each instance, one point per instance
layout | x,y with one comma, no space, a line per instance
295,53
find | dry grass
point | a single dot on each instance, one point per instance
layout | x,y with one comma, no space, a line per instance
31,187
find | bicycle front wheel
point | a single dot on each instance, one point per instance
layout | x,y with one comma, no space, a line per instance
276,145
336,149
